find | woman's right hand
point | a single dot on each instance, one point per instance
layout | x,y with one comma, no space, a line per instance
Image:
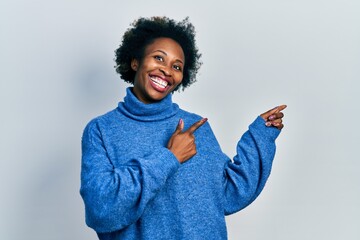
182,144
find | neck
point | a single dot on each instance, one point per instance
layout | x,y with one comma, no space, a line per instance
139,110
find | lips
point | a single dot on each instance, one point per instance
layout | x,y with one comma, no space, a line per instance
159,83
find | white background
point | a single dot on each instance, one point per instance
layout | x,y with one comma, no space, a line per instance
56,73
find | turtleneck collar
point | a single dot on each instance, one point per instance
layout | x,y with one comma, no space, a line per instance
133,108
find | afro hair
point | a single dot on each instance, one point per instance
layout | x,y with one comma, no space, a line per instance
143,32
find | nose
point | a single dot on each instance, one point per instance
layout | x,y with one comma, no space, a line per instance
165,70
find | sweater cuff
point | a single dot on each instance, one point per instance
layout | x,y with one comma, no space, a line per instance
162,164
258,127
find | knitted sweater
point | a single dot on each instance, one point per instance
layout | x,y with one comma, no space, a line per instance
133,187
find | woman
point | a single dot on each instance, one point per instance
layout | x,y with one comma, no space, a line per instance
151,170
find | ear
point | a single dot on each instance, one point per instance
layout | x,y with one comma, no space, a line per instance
134,64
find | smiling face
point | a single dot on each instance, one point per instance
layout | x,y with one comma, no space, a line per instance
160,70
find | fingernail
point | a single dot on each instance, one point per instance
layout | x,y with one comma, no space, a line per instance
180,121
268,124
272,117
204,119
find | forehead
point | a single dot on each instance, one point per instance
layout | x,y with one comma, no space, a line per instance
167,45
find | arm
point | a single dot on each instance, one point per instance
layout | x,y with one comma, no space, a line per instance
247,175
116,197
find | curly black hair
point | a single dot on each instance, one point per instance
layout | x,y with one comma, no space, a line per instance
143,32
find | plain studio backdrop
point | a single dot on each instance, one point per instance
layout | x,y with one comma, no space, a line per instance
57,73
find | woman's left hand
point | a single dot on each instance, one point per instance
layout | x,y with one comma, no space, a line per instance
274,117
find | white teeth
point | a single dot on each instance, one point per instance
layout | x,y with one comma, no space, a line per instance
158,81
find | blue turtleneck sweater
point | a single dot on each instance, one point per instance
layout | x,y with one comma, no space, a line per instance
133,187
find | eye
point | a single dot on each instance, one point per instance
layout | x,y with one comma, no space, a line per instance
177,67
159,58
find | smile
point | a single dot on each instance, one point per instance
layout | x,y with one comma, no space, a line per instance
159,82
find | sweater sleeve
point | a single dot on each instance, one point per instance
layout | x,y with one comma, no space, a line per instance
116,197
246,176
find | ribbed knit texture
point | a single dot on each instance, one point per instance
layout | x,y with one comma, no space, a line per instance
133,187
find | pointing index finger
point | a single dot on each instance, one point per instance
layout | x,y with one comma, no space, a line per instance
277,109
280,108
196,125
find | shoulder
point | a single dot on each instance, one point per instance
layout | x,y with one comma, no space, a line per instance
100,121
190,118
186,115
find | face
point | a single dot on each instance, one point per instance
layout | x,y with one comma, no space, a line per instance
160,71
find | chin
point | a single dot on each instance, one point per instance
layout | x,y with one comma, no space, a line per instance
157,96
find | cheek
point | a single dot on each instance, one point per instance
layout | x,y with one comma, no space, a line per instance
149,63
179,78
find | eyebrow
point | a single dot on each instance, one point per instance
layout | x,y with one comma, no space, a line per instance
166,55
